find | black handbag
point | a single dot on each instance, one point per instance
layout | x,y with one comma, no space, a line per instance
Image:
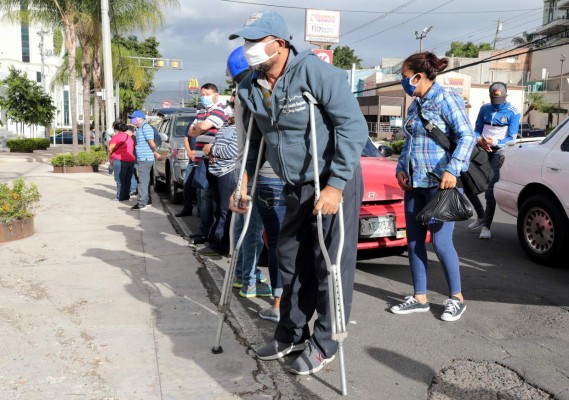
447,205
200,176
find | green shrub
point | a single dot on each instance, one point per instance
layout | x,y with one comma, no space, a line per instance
83,158
64,159
18,201
27,145
42,144
397,146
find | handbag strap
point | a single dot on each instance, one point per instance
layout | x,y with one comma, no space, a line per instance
436,132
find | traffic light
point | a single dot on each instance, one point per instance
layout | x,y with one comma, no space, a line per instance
174,64
158,63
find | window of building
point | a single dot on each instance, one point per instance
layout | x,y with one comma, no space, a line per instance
25,35
66,107
38,77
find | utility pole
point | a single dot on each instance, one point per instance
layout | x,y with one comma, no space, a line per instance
421,36
107,66
498,29
560,85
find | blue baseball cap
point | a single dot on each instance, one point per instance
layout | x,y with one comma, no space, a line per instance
137,114
263,24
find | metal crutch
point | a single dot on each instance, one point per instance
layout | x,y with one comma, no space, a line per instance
227,281
339,332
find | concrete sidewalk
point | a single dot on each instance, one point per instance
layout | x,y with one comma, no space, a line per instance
107,303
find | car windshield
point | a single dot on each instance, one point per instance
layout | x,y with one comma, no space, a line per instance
182,125
553,132
370,150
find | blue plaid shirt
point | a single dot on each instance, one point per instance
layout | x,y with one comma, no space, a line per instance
421,153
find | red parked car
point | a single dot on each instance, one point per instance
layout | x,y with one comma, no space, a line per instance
382,216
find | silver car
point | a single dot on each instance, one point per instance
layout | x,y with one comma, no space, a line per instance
170,171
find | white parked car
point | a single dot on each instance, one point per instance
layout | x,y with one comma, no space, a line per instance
534,187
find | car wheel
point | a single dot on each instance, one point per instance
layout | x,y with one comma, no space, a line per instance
542,230
175,196
159,186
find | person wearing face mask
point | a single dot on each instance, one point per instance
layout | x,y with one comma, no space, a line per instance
421,157
497,124
273,95
209,120
145,152
121,154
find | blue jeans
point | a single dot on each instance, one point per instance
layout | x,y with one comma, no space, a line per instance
415,201
134,179
206,210
221,189
144,168
488,214
123,172
251,247
271,205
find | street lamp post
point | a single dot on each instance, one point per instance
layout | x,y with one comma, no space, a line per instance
560,84
421,36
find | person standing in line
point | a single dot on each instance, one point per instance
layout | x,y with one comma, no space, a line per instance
221,155
274,97
497,124
211,117
422,156
134,180
122,159
145,153
188,209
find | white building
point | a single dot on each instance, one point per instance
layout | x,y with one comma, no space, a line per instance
24,52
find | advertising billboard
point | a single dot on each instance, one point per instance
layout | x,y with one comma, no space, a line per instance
322,26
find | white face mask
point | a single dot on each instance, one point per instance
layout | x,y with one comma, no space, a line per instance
255,52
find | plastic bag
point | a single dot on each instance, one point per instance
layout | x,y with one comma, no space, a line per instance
447,205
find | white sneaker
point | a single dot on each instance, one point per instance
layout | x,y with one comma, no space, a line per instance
477,223
485,234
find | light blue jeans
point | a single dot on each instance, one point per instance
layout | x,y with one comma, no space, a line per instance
251,247
415,200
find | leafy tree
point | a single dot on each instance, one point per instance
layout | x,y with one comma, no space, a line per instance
25,101
468,49
344,57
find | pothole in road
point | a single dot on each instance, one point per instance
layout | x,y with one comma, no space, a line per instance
471,380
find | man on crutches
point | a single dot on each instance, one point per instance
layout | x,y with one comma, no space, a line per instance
274,94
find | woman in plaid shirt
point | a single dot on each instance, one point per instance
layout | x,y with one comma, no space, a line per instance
421,157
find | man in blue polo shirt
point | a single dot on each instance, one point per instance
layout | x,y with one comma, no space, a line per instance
145,148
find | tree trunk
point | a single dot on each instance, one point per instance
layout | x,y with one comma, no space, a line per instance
97,84
70,46
86,80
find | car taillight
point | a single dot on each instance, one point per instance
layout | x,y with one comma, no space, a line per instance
180,154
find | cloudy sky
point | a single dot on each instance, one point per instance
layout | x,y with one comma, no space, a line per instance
197,31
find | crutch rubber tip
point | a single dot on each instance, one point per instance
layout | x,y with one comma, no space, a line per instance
217,350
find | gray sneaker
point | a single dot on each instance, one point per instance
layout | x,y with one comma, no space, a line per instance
270,314
310,361
275,350
454,309
410,305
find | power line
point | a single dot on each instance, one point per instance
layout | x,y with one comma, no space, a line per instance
396,26
500,56
381,12
402,6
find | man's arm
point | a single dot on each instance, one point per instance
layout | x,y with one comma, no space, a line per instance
199,128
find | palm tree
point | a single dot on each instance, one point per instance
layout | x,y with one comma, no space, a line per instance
535,101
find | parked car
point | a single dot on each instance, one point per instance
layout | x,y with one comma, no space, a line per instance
169,172
382,215
526,131
534,187
66,137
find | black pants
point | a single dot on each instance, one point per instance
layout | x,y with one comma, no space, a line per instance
303,269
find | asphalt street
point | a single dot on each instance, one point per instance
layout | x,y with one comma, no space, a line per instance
511,343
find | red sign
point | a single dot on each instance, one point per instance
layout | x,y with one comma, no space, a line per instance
167,104
324,55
